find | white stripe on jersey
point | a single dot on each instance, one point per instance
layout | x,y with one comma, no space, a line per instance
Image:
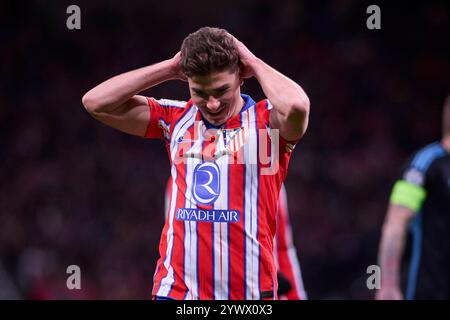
251,205
180,128
275,250
168,280
190,234
171,103
220,234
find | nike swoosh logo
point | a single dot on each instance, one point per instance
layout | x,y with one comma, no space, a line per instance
185,140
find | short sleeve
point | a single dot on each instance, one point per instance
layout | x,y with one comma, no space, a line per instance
162,114
285,147
409,191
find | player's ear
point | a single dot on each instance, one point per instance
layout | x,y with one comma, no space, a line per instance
241,69
241,74
183,77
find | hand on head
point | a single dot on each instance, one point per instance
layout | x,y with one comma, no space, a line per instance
176,67
246,57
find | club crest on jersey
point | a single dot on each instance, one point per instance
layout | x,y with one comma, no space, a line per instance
225,142
233,144
229,141
206,183
234,139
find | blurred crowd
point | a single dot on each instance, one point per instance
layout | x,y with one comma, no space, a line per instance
75,192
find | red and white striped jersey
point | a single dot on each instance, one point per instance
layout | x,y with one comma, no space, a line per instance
217,241
286,253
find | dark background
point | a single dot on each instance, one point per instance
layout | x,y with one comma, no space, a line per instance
73,191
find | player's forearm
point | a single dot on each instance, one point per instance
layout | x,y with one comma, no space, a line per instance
116,91
390,255
285,95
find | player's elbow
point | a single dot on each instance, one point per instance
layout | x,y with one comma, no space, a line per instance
298,112
90,103
300,107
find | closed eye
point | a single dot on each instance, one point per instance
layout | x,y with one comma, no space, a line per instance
217,93
200,94
220,92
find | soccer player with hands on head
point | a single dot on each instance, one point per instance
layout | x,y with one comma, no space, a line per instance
217,241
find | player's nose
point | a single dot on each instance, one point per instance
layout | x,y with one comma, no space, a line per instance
213,104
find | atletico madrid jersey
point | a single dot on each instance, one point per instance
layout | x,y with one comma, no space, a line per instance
217,241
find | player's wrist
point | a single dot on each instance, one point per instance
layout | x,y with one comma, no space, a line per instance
391,282
258,67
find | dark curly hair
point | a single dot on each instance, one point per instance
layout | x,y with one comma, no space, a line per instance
208,50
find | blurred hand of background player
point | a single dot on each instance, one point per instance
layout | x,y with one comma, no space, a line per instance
176,67
284,286
389,293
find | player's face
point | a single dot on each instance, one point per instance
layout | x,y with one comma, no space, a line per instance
217,95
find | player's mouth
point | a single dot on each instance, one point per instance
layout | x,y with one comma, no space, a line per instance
215,114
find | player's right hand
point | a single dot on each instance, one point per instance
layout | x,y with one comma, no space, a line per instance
389,293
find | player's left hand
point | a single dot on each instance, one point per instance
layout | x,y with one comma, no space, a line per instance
247,58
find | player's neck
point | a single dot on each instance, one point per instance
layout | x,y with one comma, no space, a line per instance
239,105
446,142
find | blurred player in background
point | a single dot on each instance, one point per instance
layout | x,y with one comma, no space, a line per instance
420,203
290,281
217,242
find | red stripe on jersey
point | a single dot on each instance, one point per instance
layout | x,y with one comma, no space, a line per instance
237,254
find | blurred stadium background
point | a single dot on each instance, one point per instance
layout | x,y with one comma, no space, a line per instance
73,191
